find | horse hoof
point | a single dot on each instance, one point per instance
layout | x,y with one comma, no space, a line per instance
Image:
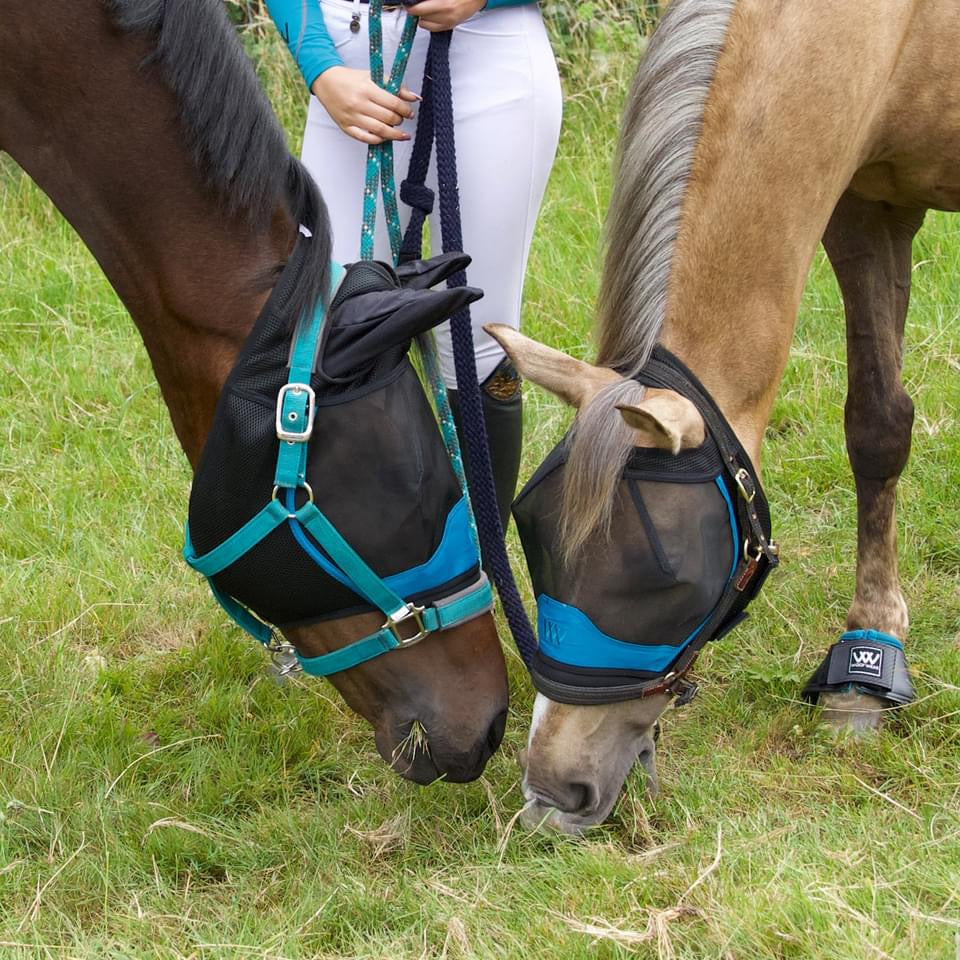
850,711
861,676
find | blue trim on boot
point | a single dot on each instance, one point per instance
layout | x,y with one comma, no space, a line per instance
875,635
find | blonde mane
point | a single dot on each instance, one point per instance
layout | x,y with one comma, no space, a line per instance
659,134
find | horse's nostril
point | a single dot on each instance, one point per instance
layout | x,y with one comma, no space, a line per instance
577,798
495,733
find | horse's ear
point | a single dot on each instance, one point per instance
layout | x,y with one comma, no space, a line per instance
420,274
665,420
367,325
572,380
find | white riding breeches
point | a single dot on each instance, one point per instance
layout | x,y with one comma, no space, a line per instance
507,111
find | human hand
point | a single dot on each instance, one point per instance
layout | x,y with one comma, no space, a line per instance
360,108
439,15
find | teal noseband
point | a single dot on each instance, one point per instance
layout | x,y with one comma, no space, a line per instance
406,623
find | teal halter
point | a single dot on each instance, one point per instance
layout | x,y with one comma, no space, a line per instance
406,623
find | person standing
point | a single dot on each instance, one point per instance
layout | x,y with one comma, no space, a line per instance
507,112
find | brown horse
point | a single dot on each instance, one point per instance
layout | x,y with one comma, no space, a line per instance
143,121
753,130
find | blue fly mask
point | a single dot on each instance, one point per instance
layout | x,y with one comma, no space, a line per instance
690,548
324,488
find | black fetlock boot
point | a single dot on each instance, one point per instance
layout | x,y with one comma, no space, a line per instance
502,398
864,661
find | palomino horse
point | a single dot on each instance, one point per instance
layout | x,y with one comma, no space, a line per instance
143,121
752,130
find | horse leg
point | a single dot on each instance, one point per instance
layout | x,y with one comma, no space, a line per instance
869,245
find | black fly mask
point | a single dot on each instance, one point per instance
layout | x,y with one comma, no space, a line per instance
690,548
376,462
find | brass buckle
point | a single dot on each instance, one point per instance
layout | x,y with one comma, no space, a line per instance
283,423
741,475
409,612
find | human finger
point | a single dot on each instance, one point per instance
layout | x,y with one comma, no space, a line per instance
409,95
383,114
364,136
383,130
426,8
386,99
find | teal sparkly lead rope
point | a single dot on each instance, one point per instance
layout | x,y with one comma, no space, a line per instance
380,155
380,169
448,429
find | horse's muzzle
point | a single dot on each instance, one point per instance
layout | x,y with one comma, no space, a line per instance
424,759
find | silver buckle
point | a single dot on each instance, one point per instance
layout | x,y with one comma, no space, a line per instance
290,435
409,612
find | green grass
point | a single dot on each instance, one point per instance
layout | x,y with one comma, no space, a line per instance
161,797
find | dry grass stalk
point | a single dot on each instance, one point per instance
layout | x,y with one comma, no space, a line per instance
658,922
386,838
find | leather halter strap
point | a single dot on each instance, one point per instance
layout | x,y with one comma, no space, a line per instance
760,553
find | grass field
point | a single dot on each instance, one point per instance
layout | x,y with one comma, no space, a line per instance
161,797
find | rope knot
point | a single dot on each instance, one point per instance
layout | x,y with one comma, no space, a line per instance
418,196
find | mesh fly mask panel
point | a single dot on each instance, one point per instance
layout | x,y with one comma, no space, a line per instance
627,617
375,462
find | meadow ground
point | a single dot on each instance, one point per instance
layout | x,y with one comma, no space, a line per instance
161,797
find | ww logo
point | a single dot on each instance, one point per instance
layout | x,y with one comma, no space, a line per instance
866,661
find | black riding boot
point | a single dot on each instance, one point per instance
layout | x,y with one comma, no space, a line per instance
502,398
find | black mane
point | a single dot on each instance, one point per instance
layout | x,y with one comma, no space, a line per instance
237,143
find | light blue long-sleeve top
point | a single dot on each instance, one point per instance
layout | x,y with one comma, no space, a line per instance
301,25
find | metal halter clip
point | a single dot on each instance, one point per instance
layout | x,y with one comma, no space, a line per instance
283,656
410,612
685,691
745,484
289,426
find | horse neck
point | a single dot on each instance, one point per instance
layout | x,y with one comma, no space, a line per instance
114,161
780,140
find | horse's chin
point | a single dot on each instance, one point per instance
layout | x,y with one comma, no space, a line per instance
407,751
417,767
540,815
422,757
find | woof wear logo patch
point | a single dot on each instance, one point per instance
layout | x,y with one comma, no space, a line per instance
866,661
550,633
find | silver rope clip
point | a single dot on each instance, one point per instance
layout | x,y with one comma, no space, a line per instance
283,660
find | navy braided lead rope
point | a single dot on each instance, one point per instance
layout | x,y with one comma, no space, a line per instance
435,122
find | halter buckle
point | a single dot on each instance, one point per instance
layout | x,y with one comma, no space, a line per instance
409,612
286,423
745,484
